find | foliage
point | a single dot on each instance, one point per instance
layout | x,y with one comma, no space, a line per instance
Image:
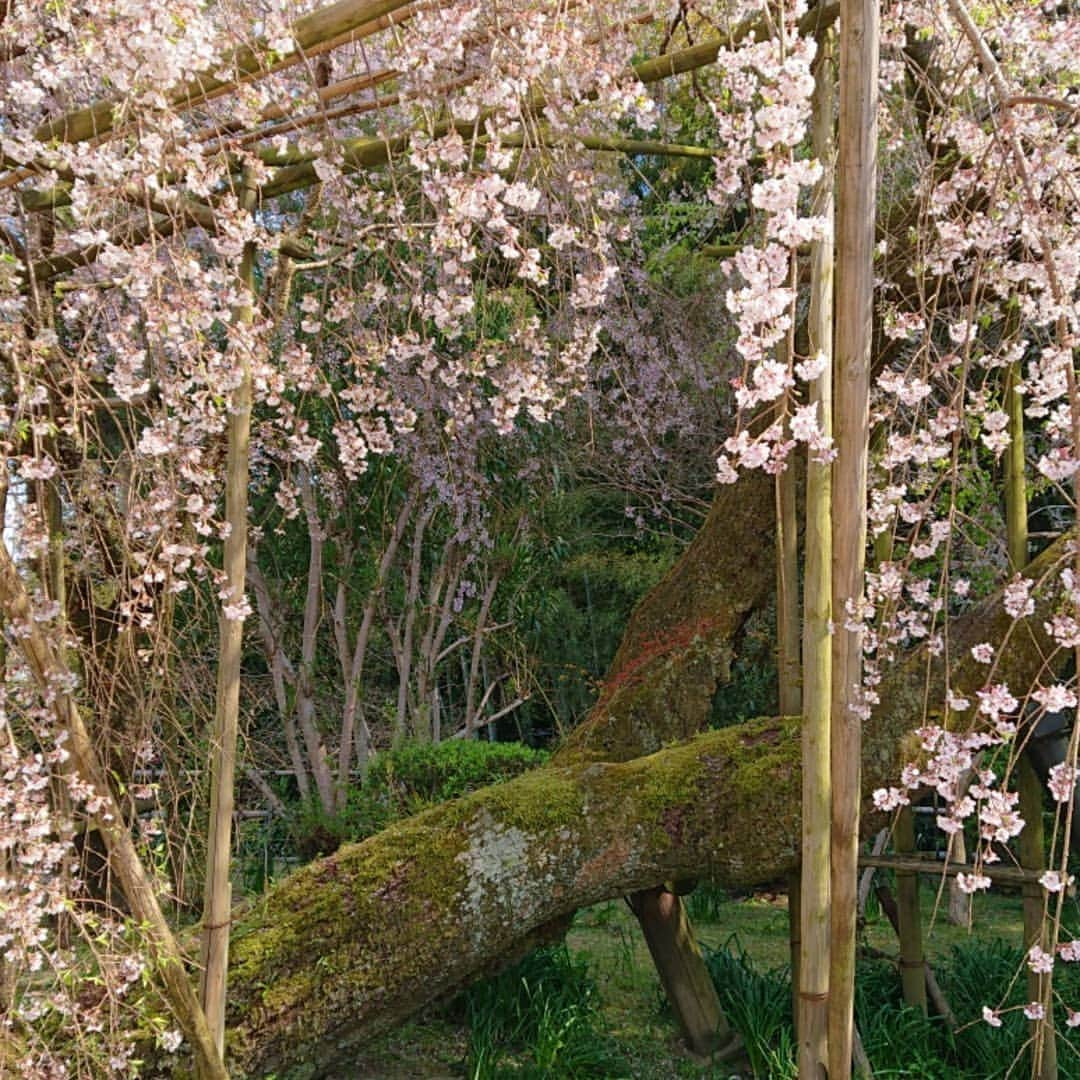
539,1018
758,1006
403,781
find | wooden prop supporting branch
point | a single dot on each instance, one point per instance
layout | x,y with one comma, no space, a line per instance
683,974
931,988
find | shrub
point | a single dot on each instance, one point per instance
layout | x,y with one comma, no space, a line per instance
402,782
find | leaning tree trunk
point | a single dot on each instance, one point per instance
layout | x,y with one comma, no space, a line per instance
351,945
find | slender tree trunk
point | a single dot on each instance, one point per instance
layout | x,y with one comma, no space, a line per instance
281,671
857,182
404,645
813,987
217,908
473,673
305,679
352,670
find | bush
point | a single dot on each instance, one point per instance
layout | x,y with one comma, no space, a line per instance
405,781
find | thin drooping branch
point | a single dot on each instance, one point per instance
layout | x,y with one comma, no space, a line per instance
351,19
361,153
54,680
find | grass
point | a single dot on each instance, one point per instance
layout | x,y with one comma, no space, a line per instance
594,1010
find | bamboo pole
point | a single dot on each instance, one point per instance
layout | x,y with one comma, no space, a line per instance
856,190
1032,859
789,659
217,909
245,63
812,1024
1013,875
1028,787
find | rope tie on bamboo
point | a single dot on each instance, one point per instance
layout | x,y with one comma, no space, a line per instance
806,995
218,925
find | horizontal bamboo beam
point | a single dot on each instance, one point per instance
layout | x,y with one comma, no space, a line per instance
245,63
647,72
373,152
1013,875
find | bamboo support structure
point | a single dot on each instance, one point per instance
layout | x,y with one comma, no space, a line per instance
856,202
909,921
813,986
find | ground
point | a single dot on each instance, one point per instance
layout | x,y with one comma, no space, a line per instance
432,1047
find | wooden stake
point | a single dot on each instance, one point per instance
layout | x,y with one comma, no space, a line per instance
681,967
909,928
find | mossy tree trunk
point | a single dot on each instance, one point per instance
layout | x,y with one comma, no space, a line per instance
676,650
351,945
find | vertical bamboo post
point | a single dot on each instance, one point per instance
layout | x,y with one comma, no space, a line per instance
813,973
909,928
856,201
789,660
1028,786
217,908
794,915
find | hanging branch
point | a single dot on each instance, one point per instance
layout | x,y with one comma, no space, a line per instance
345,20
52,677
